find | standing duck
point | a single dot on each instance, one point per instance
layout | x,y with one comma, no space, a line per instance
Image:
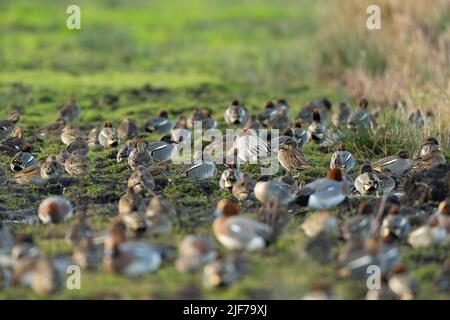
160,123
360,117
317,132
342,159
23,159
128,129
195,252
367,181
397,165
239,233
55,209
159,214
139,156
131,259
7,126
291,158
108,137
236,114
300,135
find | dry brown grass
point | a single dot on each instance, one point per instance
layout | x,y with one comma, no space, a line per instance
407,61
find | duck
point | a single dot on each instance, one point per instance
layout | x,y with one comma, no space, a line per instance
300,135
131,259
367,182
323,106
359,226
291,158
23,159
78,147
356,256
55,209
16,141
159,215
76,165
267,190
236,113
431,159
125,151
209,119
320,222
163,150
317,132
69,134
281,103
78,230
277,141
180,132
7,126
220,273
70,111
52,169
202,168
428,146
160,123
139,156
86,255
251,148
108,137
395,223
341,115
268,112
243,187
92,138
195,251
397,165
239,233
415,118
30,175
141,181
386,180
360,117
279,120
50,131
342,159
229,176
130,202
128,129
403,284
324,193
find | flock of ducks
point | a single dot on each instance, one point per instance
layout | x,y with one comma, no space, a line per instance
371,237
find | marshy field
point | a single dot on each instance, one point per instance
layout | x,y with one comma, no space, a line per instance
134,58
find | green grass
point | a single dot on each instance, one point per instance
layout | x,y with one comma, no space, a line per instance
203,53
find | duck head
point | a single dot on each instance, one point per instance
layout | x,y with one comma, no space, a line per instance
316,115
164,114
169,140
341,147
366,167
335,174
226,208
403,154
108,124
269,105
235,102
297,124
363,103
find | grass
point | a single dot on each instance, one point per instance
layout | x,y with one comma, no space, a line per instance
201,53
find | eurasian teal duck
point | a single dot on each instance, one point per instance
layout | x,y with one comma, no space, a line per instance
291,158
432,158
160,123
220,273
300,134
253,123
69,134
279,120
79,147
30,175
323,221
202,167
281,103
78,230
162,150
386,180
141,181
195,251
342,159
243,187
267,190
92,138
108,137
236,114
23,159
180,132
382,293
323,106
317,132
360,117
76,165
239,233
159,214
70,111
251,148
130,202
403,284
367,182
415,118
50,131
131,259
52,169
429,145
340,116
324,193
25,247
395,224
139,156
86,255
355,258
128,129
396,164
359,226
229,176
55,209
16,141
267,113
125,151
7,126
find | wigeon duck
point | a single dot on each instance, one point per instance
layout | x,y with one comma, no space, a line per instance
159,214
202,167
195,251
395,223
239,233
139,156
243,187
69,134
415,118
340,116
403,284
220,273
128,129
324,193
70,111
162,150
342,159
360,117
160,123
76,165
300,134
320,222
131,259
267,189
23,159
236,114
396,164
7,126
317,132
291,158
108,137
367,182
55,209
229,176
50,131
141,181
